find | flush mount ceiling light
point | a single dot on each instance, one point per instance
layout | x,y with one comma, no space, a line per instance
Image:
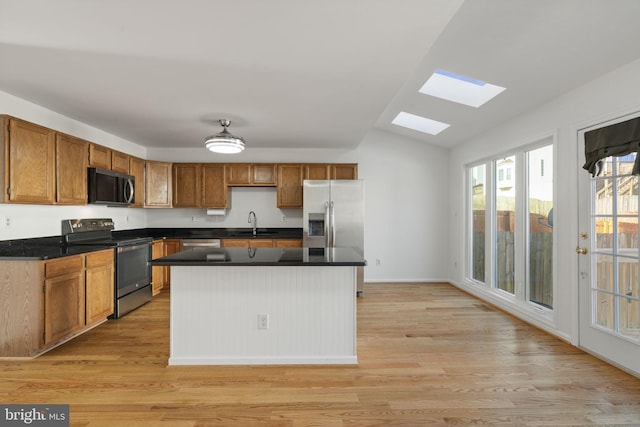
419,123
224,142
460,89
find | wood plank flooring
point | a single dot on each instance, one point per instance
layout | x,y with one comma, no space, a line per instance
429,355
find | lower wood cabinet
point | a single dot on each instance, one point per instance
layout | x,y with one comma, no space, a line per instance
261,243
78,293
161,275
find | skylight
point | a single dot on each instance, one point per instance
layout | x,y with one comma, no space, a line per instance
460,89
419,123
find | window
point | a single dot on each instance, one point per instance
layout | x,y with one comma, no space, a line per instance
511,225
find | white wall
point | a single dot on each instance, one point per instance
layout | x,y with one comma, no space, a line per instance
405,208
38,221
613,95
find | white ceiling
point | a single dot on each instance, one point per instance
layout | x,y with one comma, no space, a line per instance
301,73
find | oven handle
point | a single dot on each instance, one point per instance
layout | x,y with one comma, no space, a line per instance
128,248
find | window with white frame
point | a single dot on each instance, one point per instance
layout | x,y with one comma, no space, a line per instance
510,217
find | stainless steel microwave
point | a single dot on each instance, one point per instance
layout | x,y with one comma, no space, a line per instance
110,188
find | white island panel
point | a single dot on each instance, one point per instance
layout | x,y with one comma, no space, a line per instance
311,315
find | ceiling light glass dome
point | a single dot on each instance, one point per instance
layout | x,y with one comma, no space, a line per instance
224,142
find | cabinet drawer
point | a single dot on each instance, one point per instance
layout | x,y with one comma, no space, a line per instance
95,259
60,266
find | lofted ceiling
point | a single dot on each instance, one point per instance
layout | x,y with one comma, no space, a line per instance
301,73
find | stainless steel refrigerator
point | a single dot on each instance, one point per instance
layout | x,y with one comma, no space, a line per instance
333,216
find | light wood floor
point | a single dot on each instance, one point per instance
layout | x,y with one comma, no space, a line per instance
429,354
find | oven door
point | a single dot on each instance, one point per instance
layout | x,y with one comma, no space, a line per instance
132,268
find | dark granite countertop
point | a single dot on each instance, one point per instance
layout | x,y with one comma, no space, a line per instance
43,248
264,257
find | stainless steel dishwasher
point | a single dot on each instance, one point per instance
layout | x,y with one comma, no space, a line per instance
188,244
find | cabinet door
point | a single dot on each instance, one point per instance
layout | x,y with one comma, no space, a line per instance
99,286
288,243
157,178
136,168
186,185
99,157
264,174
317,171
30,163
344,171
72,158
239,174
64,306
261,243
172,246
157,272
119,162
214,186
234,243
289,186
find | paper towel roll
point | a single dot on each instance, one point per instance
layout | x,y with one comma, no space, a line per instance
218,212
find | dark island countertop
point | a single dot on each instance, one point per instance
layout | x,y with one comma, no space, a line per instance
264,257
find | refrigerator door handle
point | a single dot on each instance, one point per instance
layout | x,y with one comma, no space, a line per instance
327,225
333,225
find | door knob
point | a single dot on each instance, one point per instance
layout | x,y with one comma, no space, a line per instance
580,250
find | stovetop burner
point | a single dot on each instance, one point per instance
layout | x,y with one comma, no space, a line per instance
92,231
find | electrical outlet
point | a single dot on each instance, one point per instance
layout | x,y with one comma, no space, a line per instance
193,219
263,321
8,221
284,218
377,261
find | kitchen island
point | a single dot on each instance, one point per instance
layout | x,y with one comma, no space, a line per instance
247,306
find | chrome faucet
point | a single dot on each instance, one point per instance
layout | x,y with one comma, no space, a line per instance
253,221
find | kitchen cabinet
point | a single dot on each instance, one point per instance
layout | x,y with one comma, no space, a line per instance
186,179
157,178
64,298
78,293
136,168
287,243
247,243
199,185
214,186
344,171
172,246
251,174
99,286
29,166
157,272
289,186
331,171
317,171
99,156
71,170
119,162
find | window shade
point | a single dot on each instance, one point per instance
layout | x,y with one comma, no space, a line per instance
616,140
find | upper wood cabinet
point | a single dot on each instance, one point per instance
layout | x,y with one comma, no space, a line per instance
251,174
157,184
214,185
344,171
290,185
136,168
99,156
331,171
317,171
29,166
119,162
186,185
71,170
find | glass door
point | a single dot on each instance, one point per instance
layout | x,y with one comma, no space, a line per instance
607,247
